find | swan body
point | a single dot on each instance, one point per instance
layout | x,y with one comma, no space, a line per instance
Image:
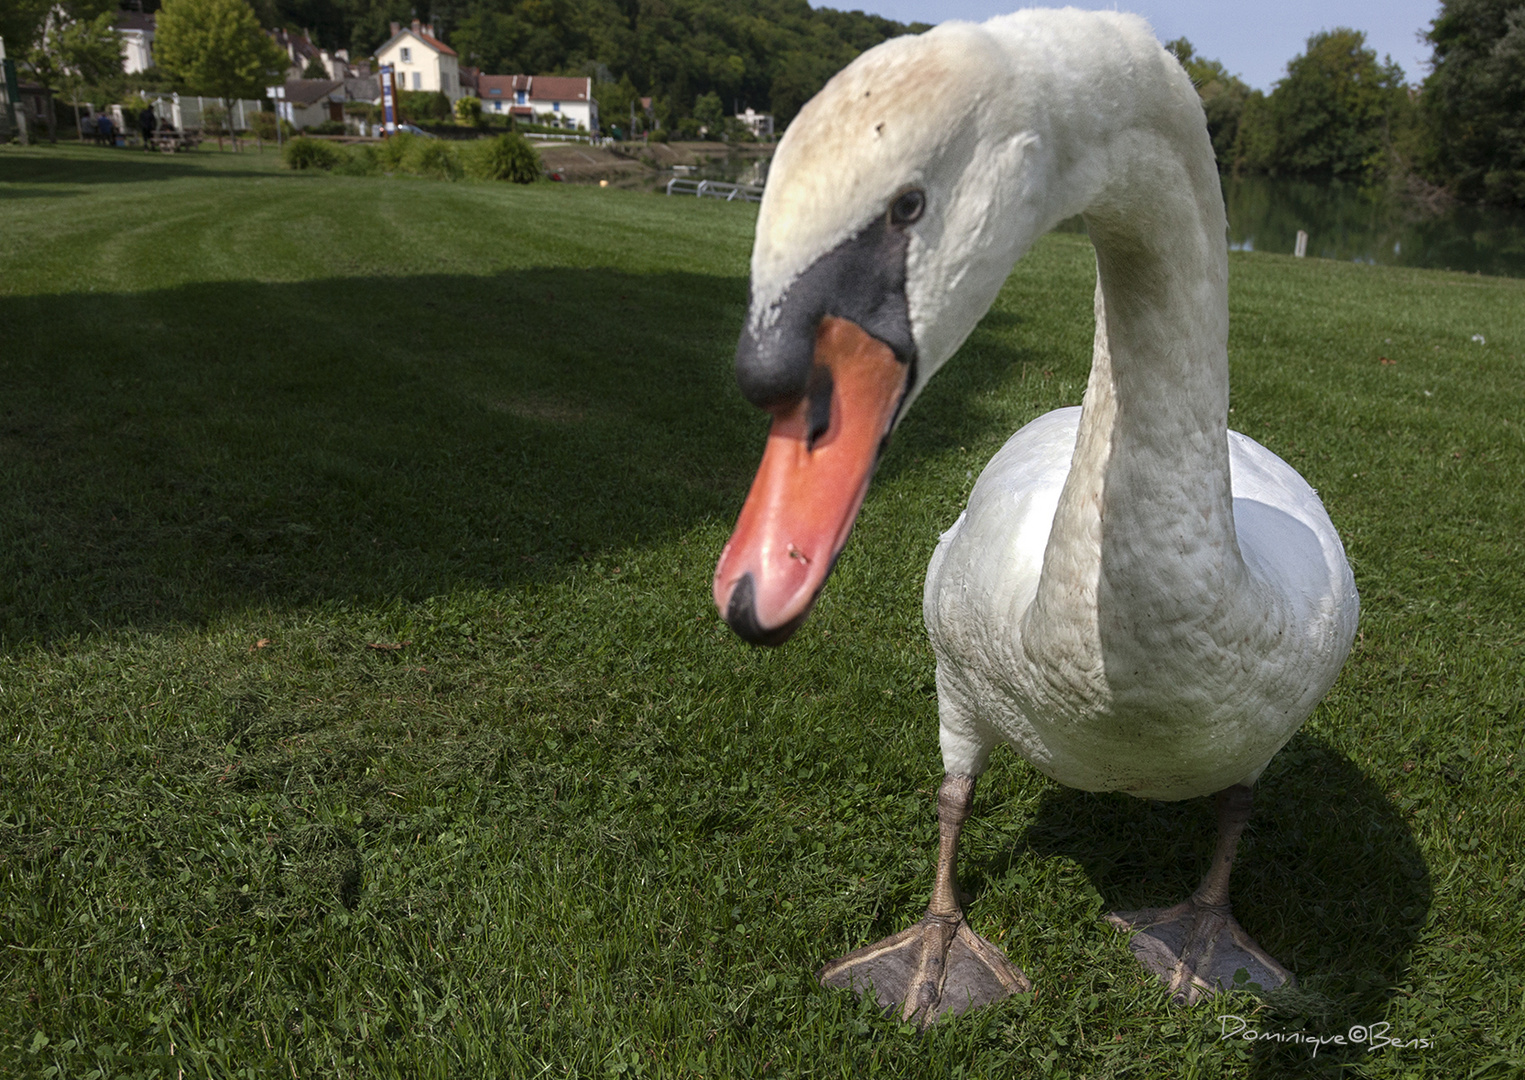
1195,715
1136,599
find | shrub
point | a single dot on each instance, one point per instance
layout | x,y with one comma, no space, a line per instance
328,127
361,160
468,110
432,157
423,105
263,125
391,150
507,157
303,153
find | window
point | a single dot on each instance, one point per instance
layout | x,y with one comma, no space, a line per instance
418,80
407,55
519,97
496,90
497,106
555,106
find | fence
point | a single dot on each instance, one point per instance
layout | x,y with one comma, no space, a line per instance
591,140
185,112
715,189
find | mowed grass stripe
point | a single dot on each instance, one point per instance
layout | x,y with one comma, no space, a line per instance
255,424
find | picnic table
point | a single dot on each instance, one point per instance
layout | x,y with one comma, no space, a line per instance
173,141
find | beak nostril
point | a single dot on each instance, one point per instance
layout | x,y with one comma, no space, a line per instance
818,415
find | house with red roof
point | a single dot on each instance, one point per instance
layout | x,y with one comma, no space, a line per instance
541,99
421,60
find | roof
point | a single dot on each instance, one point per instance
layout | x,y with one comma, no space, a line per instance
501,86
537,87
134,20
428,39
559,88
310,91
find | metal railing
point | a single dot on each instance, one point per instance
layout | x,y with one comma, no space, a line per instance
571,136
715,189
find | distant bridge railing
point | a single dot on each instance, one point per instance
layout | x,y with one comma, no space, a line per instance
714,189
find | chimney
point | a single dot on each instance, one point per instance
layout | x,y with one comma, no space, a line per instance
429,29
416,26
396,29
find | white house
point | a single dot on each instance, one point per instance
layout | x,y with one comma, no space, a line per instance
421,60
759,124
301,51
541,99
137,31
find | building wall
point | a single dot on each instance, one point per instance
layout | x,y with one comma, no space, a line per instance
424,68
137,50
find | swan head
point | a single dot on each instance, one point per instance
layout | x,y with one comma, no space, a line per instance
896,204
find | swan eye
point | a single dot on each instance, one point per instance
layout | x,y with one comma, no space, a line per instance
908,207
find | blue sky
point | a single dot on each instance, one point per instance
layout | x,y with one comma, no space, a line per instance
1253,38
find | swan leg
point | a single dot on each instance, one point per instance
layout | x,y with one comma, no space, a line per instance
1197,946
939,965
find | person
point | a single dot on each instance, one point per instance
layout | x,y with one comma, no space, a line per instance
147,122
105,133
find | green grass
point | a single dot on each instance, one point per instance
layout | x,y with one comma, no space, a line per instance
255,424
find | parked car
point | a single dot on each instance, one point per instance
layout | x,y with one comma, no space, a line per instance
414,129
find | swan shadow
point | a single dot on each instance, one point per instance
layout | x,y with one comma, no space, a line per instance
1329,879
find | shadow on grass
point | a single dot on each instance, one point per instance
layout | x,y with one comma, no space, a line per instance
175,454
112,166
1329,879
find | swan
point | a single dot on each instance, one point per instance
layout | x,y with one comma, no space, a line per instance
1135,598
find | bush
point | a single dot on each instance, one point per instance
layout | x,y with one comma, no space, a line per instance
328,127
391,150
303,153
361,160
423,105
432,157
263,125
468,110
507,157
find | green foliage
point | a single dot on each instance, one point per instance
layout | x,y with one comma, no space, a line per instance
304,153
82,59
468,109
506,157
217,48
262,125
418,105
314,69
434,158
1336,114
1474,100
774,54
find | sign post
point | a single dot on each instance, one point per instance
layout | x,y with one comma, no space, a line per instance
388,100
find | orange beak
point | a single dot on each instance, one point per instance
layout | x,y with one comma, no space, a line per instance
814,474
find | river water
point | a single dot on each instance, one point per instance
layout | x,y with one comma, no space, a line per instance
1348,223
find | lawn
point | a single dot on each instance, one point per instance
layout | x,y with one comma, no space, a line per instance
364,713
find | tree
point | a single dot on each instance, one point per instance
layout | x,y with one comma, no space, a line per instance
75,56
468,110
710,114
314,69
1474,100
1334,115
218,48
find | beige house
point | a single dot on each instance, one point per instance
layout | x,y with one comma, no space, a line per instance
421,60
541,99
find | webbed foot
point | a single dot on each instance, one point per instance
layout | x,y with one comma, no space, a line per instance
937,966
1198,948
